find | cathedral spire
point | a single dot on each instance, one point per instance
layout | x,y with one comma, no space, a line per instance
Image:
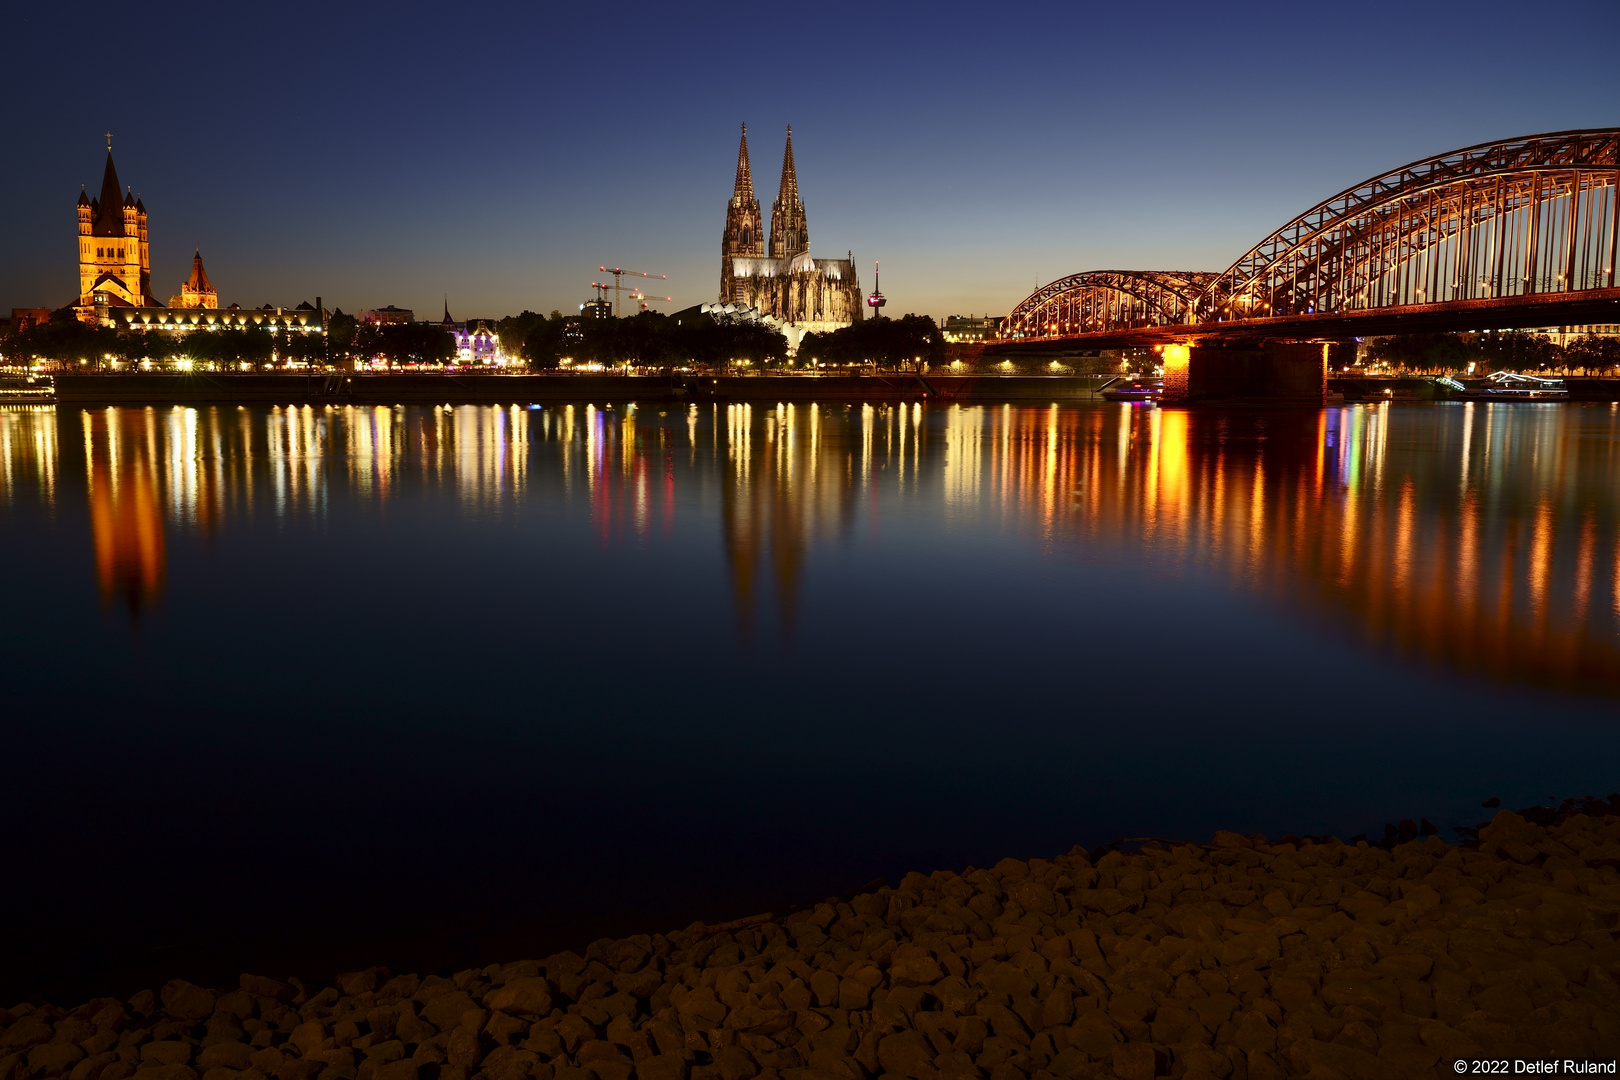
790,234
745,227
744,189
789,193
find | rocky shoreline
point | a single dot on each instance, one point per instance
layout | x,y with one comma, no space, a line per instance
1240,959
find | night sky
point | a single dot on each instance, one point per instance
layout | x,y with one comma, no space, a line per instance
378,154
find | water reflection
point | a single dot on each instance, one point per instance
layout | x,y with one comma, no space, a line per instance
1484,539
28,455
125,521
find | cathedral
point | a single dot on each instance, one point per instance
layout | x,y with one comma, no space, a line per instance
115,261
773,272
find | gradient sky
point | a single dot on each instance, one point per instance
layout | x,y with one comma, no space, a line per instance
378,154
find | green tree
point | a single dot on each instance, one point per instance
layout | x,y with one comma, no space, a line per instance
137,345
1422,352
416,343
340,336
884,341
1593,353
549,341
67,340
1515,350
514,330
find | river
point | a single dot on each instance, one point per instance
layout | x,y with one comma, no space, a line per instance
300,690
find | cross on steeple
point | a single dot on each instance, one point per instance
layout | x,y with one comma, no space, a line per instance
109,142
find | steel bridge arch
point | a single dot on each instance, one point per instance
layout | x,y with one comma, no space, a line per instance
1107,300
1512,218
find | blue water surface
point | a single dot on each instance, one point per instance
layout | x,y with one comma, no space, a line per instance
301,690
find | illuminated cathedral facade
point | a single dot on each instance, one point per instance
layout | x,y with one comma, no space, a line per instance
772,271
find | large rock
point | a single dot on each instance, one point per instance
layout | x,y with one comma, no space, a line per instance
186,1001
90,1068
307,1037
53,1059
574,1031
905,1053
661,1067
606,1060
446,1010
229,1055
521,997
1137,1061
758,1020
914,966
29,1031
509,1063
167,1052
259,986
734,1062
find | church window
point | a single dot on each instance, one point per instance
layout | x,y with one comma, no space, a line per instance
98,253
748,237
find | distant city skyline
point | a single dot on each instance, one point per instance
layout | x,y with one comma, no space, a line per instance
367,156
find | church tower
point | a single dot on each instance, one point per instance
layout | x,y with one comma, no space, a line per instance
115,262
196,291
790,233
745,230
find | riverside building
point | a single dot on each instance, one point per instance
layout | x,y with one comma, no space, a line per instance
971,329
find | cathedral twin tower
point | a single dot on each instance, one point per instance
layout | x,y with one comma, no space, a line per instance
774,273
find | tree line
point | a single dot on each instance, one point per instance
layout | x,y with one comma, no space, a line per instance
67,340
649,339
653,339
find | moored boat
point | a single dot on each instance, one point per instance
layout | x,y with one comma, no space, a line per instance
1139,390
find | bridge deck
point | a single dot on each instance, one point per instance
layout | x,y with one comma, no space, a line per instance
1581,308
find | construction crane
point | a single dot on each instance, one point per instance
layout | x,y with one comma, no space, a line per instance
618,288
643,300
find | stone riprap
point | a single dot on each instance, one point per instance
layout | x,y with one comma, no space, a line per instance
1242,959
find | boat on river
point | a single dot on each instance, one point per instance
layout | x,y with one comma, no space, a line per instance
1138,390
27,390
1511,386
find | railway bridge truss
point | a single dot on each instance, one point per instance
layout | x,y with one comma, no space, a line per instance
1517,233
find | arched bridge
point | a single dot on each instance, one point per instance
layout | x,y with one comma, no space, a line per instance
1518,233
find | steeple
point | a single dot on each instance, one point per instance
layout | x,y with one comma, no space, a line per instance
790,176
198,282
448,321
109,209
196,291
745,225
790,232
743,191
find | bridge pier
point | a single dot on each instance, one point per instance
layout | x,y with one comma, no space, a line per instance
1268,373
